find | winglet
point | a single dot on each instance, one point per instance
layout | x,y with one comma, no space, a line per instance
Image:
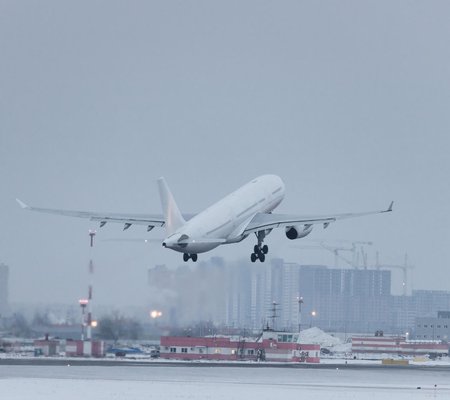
22,204
390,207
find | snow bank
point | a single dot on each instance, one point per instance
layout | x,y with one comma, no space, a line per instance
318,336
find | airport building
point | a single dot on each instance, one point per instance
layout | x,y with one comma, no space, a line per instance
433,328
270,346
398,345
70,348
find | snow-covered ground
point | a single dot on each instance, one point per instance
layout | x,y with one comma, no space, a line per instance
203,382
159,379
340,352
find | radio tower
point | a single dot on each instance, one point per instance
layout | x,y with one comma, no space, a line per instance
86,304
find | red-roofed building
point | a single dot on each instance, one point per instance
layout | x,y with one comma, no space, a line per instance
397,345
271,346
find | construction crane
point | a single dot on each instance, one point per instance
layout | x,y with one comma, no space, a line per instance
336,251
356,249
405,267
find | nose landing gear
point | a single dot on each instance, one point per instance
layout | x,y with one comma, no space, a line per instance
260,250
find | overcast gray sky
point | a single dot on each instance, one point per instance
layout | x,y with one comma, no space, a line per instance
348,101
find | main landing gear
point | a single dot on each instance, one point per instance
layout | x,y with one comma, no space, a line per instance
260,250
187,256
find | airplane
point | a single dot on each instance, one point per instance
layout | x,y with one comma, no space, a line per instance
232,219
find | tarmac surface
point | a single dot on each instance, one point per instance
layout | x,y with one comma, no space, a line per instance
162,363
114,379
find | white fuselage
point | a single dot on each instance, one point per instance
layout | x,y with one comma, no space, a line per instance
225,221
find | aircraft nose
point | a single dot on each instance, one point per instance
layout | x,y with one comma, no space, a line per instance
164,244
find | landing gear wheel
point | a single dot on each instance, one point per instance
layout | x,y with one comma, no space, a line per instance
185,257
194,257
260,250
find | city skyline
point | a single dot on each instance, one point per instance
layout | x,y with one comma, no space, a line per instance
244,296
83,278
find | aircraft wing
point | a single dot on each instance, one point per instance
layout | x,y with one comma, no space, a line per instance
262,221
150,220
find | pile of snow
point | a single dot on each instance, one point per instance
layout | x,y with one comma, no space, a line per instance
341,348
318,336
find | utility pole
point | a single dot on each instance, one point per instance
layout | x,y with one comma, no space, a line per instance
300,302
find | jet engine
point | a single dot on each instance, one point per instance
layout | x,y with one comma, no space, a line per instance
298,232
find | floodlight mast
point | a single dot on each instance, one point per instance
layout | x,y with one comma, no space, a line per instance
92,234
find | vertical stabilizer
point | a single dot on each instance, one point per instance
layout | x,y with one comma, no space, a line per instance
172,215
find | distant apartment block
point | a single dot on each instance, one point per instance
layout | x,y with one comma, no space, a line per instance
4,282
241,295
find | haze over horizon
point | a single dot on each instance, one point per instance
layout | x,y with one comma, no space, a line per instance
348,102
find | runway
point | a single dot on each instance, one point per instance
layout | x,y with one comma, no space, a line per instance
105,362
165,381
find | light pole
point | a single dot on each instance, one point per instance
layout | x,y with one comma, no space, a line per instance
92,235
300,302
313,314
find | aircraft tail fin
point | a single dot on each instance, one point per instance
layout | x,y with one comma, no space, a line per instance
172,214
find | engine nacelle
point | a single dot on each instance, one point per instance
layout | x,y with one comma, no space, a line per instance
298,232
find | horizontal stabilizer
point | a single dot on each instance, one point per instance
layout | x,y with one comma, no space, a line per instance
189,240
390,207
22,204
135,240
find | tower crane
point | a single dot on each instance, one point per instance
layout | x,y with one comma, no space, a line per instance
405,267
336,251
357,248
